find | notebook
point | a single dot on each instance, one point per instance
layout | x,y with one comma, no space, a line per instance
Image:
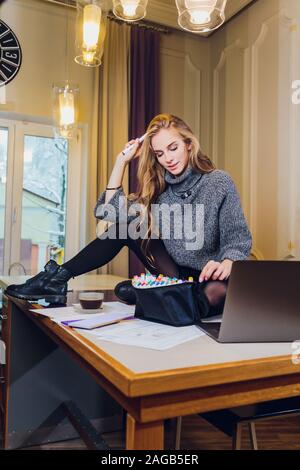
98,320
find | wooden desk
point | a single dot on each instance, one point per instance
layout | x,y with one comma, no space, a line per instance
40,383
198,376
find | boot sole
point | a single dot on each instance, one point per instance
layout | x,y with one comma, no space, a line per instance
52,299
125,293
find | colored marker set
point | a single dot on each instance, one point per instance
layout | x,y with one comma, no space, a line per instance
178,302
146,281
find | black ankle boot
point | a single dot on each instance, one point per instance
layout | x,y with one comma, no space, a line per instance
125,291
50,284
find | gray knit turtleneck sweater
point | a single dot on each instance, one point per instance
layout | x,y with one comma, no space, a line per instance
225,234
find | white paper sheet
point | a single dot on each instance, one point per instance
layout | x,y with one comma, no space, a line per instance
59,314
146,334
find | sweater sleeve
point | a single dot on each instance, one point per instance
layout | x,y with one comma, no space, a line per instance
235,237
116,209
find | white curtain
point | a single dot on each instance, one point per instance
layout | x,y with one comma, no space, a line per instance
110,128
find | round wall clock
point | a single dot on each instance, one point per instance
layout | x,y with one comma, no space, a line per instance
10,54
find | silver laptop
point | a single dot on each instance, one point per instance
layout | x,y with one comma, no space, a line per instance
262,304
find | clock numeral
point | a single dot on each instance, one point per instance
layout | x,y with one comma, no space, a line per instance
8,55
8,40
8,69
3,28
11,56
3,76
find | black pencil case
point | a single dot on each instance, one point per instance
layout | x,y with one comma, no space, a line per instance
177,304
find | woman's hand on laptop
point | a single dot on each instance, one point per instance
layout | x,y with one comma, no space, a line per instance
215,270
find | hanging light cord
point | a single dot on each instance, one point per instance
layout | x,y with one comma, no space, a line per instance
67,44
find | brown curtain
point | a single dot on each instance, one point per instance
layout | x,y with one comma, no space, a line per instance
144,98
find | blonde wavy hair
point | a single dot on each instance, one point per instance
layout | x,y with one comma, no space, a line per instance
150,173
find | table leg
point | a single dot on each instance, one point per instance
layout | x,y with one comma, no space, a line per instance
144,436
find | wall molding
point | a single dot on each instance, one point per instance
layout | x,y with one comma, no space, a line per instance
216,95
254,48
189,67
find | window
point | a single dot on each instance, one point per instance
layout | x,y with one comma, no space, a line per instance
38,220
44,193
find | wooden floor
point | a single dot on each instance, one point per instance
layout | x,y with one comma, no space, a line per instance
197,434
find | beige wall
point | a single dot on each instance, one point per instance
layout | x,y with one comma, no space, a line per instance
254,124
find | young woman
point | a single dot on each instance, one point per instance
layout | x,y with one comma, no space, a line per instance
174,173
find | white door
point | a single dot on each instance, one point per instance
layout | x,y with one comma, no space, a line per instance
39,219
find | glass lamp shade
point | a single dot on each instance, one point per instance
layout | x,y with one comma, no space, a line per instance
130,10
90,31
200,16
65,109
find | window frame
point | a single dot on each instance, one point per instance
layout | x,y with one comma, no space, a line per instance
76,188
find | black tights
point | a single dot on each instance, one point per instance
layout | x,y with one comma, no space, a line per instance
103,249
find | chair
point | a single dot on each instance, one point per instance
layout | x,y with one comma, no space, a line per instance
231,421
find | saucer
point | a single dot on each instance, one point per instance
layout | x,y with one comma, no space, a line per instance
79,309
